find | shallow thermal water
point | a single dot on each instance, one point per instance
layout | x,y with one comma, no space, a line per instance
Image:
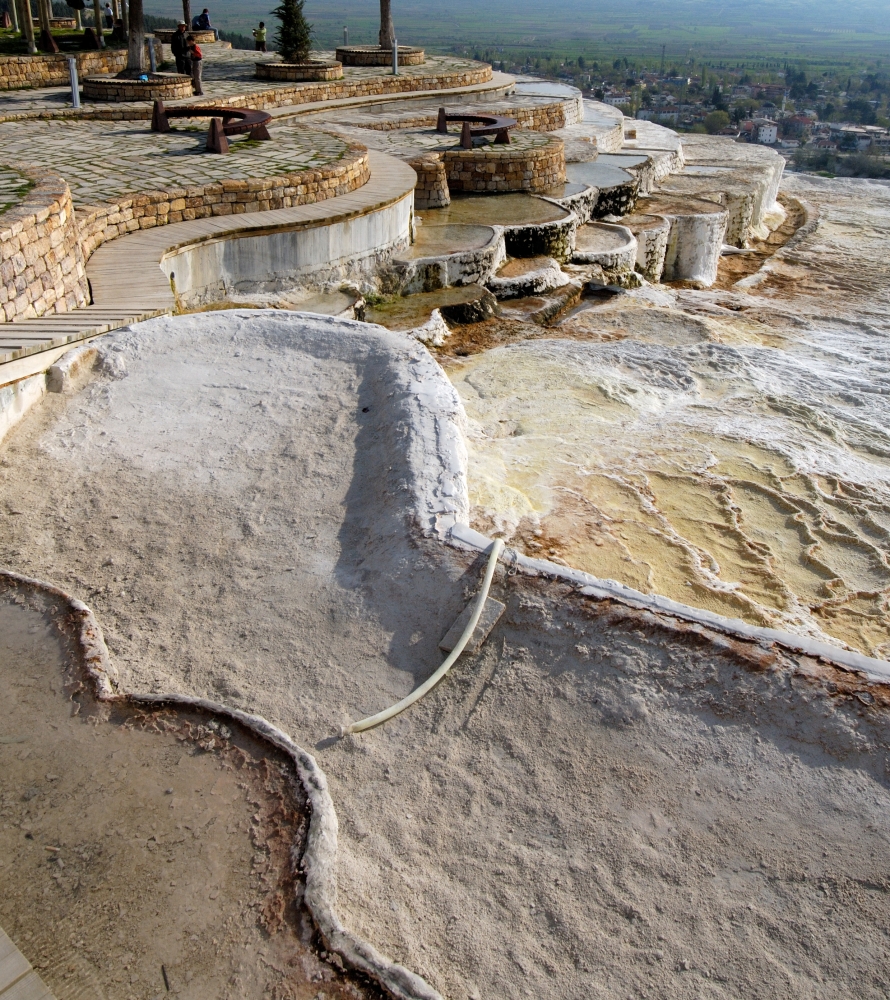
736,459
493,210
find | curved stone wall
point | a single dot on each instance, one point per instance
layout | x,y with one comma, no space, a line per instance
160,208
160,87
165,35
299,71
41,259
539,117
432,182
276,97
22,72
536,168
373,55
311,256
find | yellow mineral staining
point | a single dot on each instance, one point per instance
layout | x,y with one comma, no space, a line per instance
646,482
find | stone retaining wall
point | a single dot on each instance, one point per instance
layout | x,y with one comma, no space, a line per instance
101,223
373,55
18,72
161,87
41,260
431,190
165,35
503,168
276,97
541,118
299,71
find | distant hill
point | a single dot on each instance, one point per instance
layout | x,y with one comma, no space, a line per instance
703,28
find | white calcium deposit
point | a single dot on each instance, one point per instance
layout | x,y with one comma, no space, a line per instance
729,450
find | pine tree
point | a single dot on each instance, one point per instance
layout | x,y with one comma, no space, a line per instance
294,37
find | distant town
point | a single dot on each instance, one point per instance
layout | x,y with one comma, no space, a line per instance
820,124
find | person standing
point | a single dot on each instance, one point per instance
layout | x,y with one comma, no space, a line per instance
109,16
259,35
197,59
179,48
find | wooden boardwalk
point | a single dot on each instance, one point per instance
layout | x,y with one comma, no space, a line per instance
129,286
18,981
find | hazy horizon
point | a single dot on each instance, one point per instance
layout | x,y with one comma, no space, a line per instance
684,25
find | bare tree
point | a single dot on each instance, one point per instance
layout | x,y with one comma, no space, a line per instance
387,31
98,21
136,38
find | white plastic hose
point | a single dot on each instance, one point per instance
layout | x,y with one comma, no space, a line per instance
431,682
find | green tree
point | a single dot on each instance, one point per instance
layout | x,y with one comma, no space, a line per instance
716,121
294,36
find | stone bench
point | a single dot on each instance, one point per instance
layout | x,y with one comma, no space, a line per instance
495,125
235,121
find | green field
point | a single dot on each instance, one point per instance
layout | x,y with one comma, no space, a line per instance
730,32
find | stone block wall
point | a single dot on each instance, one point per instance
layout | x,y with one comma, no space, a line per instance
538,118
160,208
504,168
431,190
18,72
165,35
373,55
160,87
299,71
41,259
276,97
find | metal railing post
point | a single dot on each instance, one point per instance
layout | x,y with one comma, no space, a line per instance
152,58
395,57
75,84
345,35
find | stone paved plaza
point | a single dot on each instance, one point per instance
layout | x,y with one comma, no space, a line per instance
103,161
227,72
410,142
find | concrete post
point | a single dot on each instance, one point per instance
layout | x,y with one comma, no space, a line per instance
395,57
78,23
75,83
345,35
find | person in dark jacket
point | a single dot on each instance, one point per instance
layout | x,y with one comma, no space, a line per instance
179,45
202,23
